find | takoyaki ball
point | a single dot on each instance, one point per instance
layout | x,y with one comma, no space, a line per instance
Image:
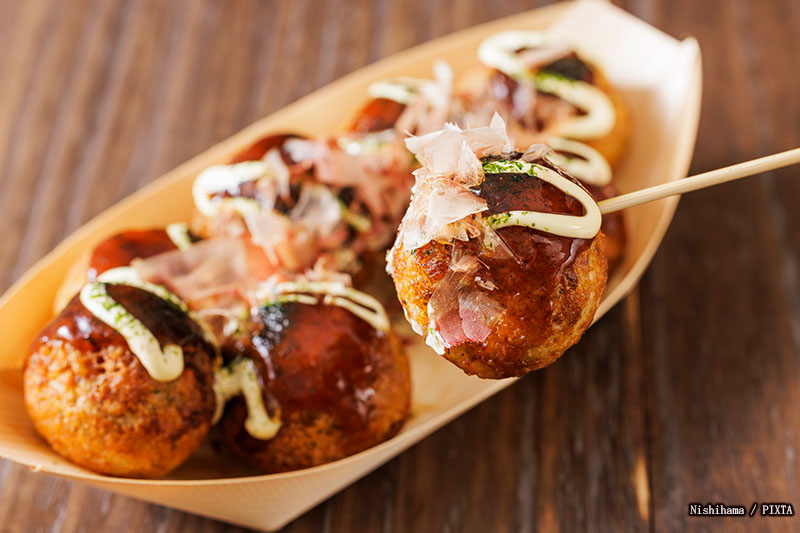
120,249
533,109
94,402
328,200
339,386
538,299
378,114
260,148
249,192
613,144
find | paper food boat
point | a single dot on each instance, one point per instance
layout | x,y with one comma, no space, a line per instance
660,79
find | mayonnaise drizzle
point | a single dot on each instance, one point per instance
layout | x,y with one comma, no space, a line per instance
178,233
402,89
589,167
336,293
240,377
500,52
585,226
163,364
237,378
600,115
129,276
218,179
367,143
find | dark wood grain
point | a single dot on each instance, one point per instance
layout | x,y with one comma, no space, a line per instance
688,391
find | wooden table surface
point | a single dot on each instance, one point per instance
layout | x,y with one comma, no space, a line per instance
686,392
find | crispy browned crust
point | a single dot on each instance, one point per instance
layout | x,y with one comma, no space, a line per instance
102,410
522,340
315,432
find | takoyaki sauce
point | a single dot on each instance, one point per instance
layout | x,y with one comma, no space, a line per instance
319,359
538,260
169,324
121,249
260,148
503,87
540,255
572,67
378,115
249,189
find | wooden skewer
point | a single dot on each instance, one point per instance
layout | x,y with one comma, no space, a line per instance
700,181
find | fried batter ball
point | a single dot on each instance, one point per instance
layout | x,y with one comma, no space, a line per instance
116,251
339,386
95,403
377,115
230,222
122,248
309,203
481,91
548,288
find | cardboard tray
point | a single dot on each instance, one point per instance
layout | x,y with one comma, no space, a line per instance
660,79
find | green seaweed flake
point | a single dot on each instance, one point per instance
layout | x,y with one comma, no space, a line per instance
544,76
500,218
509,167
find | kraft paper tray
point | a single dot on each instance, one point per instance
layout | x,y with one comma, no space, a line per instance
660,79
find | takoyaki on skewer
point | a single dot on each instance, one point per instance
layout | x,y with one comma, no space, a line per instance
542,88
499,261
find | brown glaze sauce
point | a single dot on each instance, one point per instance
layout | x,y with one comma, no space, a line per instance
379,114
76,325
573,67
122,248
518,191
502,88
260,148
539,255
318,359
